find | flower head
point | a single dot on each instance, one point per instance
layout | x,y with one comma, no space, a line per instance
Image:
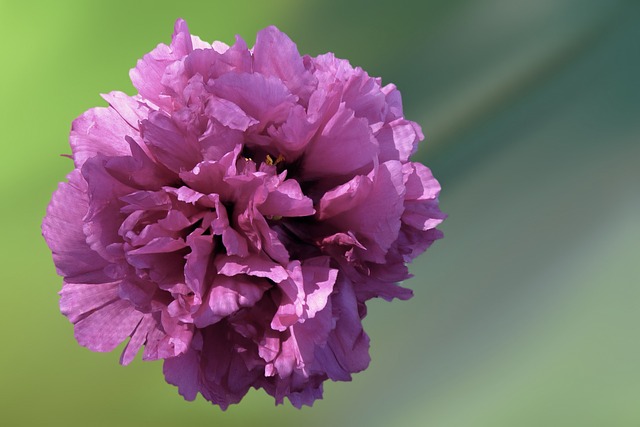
234,217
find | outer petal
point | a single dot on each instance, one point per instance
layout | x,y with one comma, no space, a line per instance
347,349
78,300
398,140
147,75
212,63
138,170
362,94
99,131
183,371
420,183
103,219
62,230
376,219
214,368
132,109
108,326
138,338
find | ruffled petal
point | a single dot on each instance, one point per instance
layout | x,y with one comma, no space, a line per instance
345,146
99,131
375,218
73,257
78,300
276,55
287,200
398,140
265,99
252,265
106,327
169,144
138,338
147,75
227,295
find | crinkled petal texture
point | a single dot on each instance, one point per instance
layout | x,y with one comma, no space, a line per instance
235,216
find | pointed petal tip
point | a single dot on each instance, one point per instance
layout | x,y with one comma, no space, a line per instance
180,26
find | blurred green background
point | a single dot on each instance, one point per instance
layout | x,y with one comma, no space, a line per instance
526,314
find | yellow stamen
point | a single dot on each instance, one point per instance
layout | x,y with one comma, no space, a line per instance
269,160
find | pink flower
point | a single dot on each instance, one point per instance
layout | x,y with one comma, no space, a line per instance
234,217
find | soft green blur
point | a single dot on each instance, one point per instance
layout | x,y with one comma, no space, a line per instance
526,314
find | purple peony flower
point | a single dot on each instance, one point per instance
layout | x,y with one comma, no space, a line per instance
234,217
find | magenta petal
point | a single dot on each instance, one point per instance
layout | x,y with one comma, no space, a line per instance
219,140
183,371
347,347
131,109
139,337
264,98
287,200
181,39
253,265
159,245
99,130
72,256
169,144
319,279
420,183
233,242
103,219
276,55
422,216
344,146
229,114
227,295
105,328
138,170
293,136
147,75
212,63
198,261
77,300
362,94
138,291
305,293
398,140
345,197
376,220
384,290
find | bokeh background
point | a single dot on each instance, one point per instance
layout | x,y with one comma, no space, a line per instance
526,314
